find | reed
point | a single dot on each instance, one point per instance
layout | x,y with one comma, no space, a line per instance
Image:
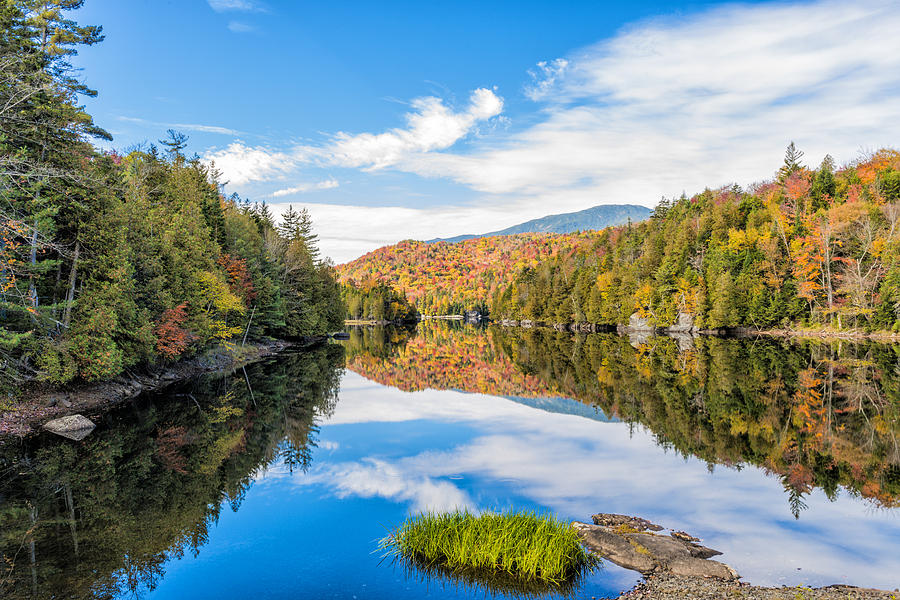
522,544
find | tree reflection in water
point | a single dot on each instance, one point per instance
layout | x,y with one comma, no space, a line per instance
813,414
102,517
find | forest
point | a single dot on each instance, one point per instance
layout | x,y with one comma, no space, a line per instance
812,247
449,278
375,301
114,259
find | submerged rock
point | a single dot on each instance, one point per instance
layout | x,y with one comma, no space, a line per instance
630,543
74,427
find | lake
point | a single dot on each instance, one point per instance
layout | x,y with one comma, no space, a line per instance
278,480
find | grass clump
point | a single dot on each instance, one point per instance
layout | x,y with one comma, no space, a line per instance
522,544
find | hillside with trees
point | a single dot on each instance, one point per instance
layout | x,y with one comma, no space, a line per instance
109,260
444,278
814,246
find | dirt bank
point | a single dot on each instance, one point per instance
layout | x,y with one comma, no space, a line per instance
45,403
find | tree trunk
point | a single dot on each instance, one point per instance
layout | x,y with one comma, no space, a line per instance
70,294
246,331
32,289
73,524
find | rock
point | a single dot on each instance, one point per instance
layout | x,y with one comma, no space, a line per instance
630,543
614,520
65,403
698,567
684,324
74,427
684,536
605,543
473,316
639,323
639,337
685,341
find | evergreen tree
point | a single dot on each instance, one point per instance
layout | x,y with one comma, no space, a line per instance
823,185
791,164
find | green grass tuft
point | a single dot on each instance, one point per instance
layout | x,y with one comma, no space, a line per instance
521,544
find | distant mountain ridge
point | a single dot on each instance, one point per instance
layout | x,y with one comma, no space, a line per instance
597,217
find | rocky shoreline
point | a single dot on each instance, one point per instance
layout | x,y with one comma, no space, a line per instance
684,327
44,404
665,586
676,567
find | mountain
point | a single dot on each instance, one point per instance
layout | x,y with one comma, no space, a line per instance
598,217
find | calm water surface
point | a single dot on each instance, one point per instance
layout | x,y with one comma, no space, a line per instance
278,480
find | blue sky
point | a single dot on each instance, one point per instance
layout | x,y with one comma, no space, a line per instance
415,120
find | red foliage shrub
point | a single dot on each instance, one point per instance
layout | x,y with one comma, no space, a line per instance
239,279
171,338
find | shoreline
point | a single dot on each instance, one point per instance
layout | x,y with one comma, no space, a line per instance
825,334
673,587
43,404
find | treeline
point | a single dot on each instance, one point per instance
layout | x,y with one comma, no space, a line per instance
110,260
818,247
376,302
450,278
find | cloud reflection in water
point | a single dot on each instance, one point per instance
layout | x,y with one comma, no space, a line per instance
575,466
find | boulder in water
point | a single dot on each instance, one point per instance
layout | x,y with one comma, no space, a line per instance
74,427
630,543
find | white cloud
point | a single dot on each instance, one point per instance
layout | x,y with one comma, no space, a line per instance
239,27
327,184
544,77
181,126
240,163
235,5
676,105
431,126
348,231
205,128
372,477
666,106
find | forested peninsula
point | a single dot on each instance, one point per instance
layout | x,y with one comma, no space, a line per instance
110,260
815,248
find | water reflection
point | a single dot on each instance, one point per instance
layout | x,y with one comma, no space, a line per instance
814,415
727,439
104,517
784,456
479,583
